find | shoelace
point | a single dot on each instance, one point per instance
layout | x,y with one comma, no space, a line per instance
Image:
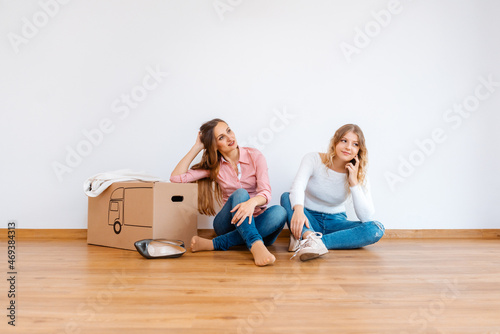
311,239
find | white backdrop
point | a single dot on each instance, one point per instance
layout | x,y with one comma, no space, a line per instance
94,86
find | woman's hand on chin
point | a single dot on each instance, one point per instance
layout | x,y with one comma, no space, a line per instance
352,170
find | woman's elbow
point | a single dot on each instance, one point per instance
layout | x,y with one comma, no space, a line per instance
368,216
175,178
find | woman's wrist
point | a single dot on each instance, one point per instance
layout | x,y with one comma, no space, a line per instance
298,208
196,149
255,201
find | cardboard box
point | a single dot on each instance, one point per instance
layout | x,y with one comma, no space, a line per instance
130,211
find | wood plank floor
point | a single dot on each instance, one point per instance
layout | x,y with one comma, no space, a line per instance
395,286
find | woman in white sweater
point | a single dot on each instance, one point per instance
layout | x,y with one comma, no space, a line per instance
315,204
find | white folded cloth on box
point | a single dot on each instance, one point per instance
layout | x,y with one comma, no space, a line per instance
96,184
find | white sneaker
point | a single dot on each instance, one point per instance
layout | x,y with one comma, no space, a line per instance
293,244
311,248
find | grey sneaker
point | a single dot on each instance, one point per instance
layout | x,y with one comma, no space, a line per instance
310,248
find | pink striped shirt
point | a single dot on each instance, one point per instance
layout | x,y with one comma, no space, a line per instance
253,177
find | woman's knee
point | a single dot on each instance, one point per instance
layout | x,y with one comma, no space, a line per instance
280,214
241,195
285,199
276,214
376,229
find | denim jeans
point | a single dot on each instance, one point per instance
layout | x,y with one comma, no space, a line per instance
266,226
338,232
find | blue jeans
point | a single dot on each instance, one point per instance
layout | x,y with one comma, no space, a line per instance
265,227
338,232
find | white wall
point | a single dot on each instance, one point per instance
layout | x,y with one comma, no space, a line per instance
244,65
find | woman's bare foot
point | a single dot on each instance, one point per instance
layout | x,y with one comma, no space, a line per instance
261,256
201,244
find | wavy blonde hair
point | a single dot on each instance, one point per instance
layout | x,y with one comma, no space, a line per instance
208,188
327,158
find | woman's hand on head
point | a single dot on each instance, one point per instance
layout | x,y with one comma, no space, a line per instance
352,171
243,210
199,144
297,223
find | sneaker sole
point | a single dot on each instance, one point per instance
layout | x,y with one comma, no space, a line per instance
310,256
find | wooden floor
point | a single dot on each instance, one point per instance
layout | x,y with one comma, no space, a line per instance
395,286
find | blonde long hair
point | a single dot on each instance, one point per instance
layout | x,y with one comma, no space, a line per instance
208,188
327,158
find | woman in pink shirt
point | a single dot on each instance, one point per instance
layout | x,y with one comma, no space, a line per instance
236,177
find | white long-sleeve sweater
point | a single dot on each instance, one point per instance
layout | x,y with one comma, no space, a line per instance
321,189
